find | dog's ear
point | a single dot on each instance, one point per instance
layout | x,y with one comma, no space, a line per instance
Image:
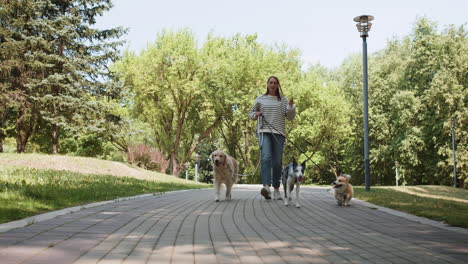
303,165
347,176
294,163
212,155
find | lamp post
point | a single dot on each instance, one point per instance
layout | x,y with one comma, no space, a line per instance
454,154
396,173
364,27
197,159
186,166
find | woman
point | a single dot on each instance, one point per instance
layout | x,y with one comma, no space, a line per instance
271,109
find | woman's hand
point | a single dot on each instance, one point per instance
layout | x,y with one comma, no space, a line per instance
291,101
257,114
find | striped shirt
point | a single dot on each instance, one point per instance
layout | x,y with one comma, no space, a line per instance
274,112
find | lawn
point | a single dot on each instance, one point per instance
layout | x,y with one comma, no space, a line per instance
26,191
440,203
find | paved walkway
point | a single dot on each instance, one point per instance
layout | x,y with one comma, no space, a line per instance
189,227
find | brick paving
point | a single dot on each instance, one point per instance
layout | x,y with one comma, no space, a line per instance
189,227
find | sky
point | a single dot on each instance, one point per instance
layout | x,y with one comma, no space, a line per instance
324,31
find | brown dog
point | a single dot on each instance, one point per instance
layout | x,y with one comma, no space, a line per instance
224,171
343,189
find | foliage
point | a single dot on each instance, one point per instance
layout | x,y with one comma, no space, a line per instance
55,64
238,71
417,85
185,93
147,158
321,130
164,81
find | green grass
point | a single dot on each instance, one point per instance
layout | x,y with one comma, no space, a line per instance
440,203
27,191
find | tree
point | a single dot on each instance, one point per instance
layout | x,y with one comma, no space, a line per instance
17,70
236,72
75,57
189,95
55,62
416,88
164,79
320,133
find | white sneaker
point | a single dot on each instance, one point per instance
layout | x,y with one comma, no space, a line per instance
277,195
265,192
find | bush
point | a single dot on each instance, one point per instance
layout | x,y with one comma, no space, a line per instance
89,146
147,157
68,145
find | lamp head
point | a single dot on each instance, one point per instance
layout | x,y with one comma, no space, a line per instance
363,24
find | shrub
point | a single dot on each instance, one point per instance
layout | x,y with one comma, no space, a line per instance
147,157
89,146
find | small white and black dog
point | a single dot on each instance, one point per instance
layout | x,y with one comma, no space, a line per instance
292,174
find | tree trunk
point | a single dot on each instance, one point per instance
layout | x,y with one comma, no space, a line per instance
21,141
56,91
24,131
55,138
19,144
174,165
2,138
461,182
201,137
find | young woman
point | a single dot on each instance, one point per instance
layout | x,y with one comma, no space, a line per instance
271,110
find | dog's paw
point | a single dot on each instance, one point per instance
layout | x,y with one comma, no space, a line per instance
298,205
217,200
286,202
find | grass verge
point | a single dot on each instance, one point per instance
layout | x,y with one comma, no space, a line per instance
27,191
440,203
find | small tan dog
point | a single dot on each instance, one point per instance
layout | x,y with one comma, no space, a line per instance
343,189
224,171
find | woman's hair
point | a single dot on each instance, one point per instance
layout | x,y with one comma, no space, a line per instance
278,94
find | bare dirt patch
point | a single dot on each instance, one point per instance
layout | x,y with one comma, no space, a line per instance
75,164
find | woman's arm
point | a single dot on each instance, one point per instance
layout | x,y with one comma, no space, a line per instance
290,109
255,112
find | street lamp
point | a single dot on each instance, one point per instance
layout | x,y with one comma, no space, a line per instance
186,166
197,159
454,154
396,173
364,27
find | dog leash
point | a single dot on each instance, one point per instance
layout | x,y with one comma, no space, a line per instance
260,153
252,173
270,126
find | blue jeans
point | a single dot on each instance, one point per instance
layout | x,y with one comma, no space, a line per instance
271,148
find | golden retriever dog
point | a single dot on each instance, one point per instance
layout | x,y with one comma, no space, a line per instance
224,171
343,190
